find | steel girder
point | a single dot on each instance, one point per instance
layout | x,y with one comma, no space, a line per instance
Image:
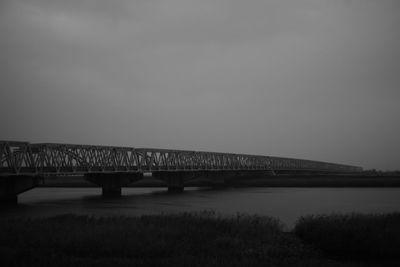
62,159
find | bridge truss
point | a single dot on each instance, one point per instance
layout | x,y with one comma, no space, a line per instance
24,158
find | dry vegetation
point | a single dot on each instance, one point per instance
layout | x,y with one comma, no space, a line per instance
198,239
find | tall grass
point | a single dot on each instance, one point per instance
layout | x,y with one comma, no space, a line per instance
353,236
189,239
199,239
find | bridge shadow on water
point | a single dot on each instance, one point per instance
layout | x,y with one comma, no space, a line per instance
90,202
129,195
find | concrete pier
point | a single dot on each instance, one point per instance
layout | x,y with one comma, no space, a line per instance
11,186
175,179
112,183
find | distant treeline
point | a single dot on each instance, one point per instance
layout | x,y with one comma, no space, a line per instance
201,239
381,173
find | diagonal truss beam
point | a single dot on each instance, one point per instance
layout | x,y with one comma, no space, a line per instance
58,159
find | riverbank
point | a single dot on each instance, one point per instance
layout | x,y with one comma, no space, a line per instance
321,181
200,239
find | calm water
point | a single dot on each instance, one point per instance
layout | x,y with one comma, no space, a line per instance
288,204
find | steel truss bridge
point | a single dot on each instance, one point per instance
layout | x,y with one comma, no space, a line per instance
60,159
22,164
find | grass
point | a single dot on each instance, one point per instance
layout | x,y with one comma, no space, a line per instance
353,236
188,239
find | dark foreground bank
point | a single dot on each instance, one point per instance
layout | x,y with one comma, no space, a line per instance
201,239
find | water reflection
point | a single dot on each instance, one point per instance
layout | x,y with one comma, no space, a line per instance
288,204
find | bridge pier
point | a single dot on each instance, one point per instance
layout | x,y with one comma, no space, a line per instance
175,188
111,187
175,182
9,200
11,186
174,179
112,183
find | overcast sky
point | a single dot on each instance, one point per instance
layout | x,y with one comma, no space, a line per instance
307,79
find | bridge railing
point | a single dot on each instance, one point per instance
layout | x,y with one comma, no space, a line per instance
50,158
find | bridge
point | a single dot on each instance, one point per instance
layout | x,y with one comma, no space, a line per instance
24,164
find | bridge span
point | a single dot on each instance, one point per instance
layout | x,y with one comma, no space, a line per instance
24,164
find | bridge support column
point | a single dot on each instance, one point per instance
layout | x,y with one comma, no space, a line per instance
111,187
174,179
175,188
112,183
9,200
175,182
11,186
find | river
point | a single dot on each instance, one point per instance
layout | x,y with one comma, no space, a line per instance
287,204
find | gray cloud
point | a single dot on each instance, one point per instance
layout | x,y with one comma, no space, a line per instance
308,79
